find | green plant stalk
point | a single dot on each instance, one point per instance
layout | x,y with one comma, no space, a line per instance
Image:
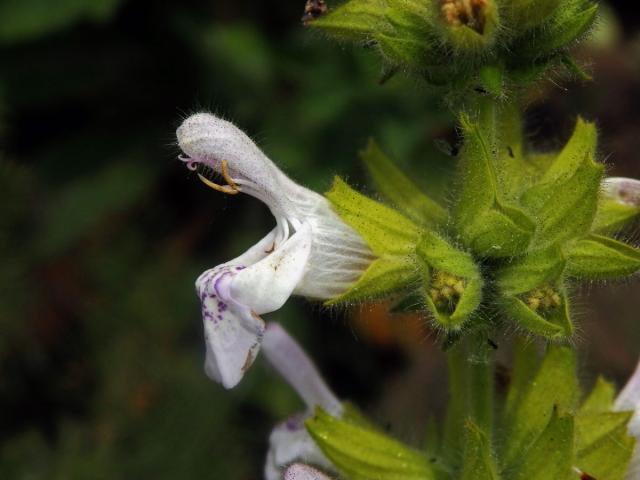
471,389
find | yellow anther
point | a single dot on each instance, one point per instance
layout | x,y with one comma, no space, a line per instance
231,188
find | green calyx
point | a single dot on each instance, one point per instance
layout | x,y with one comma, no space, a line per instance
453,42
524,227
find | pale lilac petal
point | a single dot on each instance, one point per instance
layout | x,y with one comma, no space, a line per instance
295,366
299,471
233,332
290,442
267,285
623,190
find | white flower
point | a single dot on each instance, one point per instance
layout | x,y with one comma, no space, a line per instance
310,252
629,400
290,442
623,190
298,471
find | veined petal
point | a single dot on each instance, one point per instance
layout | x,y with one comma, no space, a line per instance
233,331
299,471
266,285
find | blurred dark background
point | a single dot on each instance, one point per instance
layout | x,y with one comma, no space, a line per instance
103,231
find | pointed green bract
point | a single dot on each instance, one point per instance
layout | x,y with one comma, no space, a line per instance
488,224
598,257
386,231
363,453
553,388
603,445
398,189
550,457
478,463
600,399
565,200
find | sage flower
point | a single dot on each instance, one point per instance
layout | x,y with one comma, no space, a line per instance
629,400
310,252
289,441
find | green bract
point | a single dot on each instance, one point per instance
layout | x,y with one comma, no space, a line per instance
464,43
546,432
523,228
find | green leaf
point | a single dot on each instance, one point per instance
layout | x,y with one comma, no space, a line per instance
488,224
396,187
363,453
550,457
386,231
478,463
28,19
460,292
554,387
383,276
603,446
598,257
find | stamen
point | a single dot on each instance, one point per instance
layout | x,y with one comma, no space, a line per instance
231,189
227,177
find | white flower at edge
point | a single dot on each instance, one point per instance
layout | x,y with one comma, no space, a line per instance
629,400
289,441
310,252
625,191
298,471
